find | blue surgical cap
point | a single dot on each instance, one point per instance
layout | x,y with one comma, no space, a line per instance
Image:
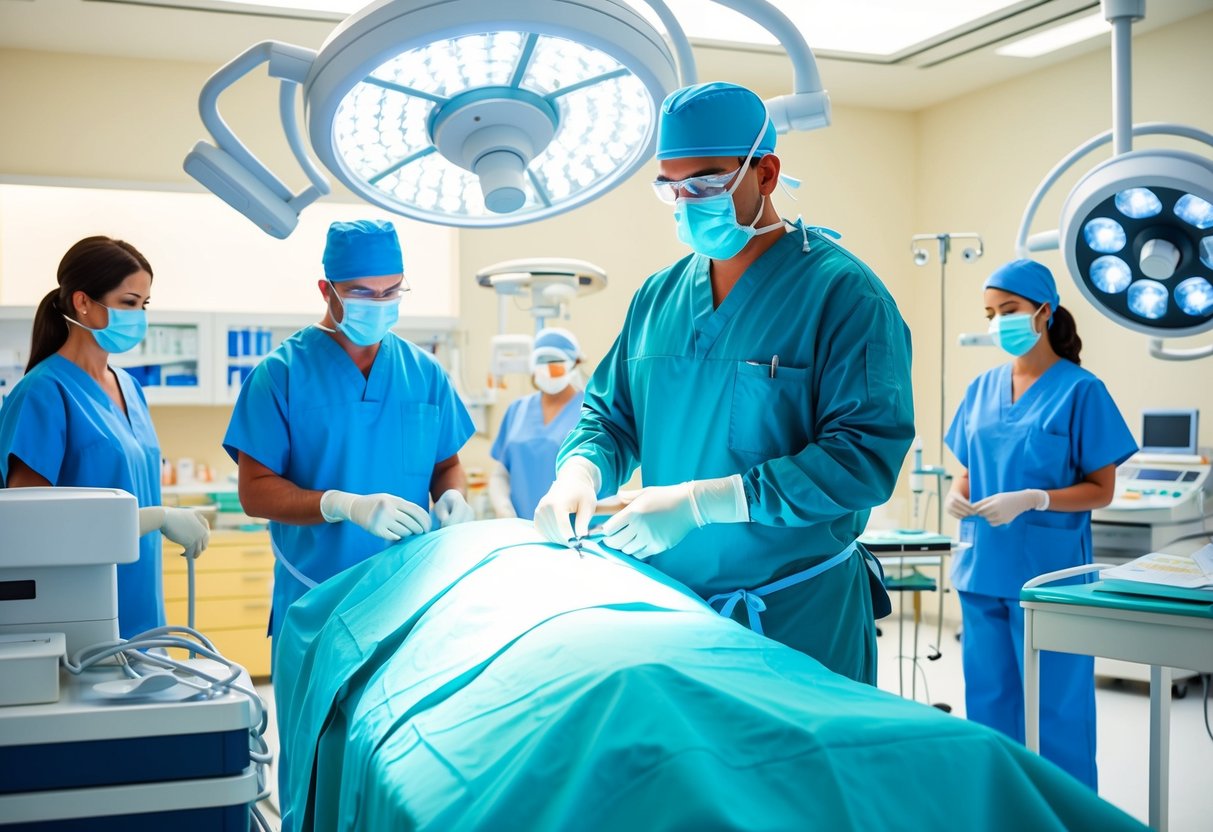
714,119
560,339
362,248
1028,279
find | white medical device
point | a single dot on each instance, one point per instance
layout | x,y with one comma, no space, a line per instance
59,550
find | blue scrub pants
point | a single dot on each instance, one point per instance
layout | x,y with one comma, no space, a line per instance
829,617
992,653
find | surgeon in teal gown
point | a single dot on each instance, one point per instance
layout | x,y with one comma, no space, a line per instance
1040,439
762,385
345,431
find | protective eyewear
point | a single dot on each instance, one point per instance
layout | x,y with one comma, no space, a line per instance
359,293
696,187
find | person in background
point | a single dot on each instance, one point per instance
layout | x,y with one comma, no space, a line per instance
1040,439
534,426
762,385
345,431
73,420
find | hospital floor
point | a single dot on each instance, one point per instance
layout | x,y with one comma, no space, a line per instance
1123,713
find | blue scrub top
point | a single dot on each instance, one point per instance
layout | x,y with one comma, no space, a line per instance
527,448
309,415
1063,428
61,423
688,391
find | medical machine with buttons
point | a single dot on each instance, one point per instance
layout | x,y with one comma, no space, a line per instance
1163,502
98,732
1164,493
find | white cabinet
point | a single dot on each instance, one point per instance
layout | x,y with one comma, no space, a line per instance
201,358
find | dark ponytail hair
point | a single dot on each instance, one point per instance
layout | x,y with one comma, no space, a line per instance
1063,335
95,266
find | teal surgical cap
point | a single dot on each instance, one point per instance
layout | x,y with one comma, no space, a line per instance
362,248
560,339
1028,279
714,119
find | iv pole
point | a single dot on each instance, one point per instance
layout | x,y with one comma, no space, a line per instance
921,257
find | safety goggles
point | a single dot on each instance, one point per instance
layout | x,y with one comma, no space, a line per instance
696,187
370,294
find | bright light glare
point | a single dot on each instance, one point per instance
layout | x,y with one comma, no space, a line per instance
1194,211
1195,296
1148,298
1111,274
1206,251
1056,38
1138,203
381,128
1104,235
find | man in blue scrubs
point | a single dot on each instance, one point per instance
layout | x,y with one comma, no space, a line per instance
762,384
345,431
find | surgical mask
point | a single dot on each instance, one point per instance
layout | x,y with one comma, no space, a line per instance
366,322
126,328
709,224
554,377
1014,333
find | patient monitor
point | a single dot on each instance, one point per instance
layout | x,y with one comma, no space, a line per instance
59,550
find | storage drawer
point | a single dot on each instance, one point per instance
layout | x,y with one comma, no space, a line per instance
248,555
218,585
247,646
227,613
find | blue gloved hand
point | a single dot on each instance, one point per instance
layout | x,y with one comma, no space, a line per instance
451,509
659,517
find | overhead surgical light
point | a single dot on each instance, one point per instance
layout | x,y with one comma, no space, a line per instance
1137,229
476,112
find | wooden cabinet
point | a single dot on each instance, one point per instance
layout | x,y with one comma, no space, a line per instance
233,579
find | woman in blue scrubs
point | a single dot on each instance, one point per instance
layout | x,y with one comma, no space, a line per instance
1040,439
535,426
73,420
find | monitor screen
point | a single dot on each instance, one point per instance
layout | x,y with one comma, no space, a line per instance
1168,431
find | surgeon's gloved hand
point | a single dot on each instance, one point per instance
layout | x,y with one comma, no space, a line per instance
383,515
659,517
1000,509
958,505
451,509
575,492
180,525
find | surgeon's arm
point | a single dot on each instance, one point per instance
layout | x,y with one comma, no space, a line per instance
448,475
21,475
265,494
863,420
606,432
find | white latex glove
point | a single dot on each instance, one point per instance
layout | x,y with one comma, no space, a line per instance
575,492
499,492
958,505
180,525
1000,509
659,517
451,509
383,515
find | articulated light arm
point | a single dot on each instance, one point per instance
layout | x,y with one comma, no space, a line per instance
677,38
808,107
229,169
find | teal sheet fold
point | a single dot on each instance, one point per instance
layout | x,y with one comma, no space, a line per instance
477,678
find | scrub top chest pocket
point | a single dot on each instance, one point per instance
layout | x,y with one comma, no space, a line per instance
771,414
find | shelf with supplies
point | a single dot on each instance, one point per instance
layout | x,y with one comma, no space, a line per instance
199,358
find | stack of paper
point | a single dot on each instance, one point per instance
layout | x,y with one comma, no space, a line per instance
1179,576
